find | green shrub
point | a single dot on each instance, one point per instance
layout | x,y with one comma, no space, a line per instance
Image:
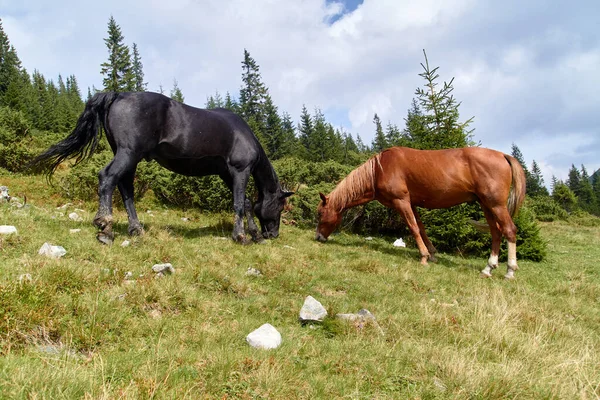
15,151
546,209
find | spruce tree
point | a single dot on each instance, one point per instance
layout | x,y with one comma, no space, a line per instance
138,71
440,120
516,153
215,101
305,130
253,96
273,130
289,145
393,136
118,70
379,141
535,185
586,196
10,68
231,104
176,93
574,180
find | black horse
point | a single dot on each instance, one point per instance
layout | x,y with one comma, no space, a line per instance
183,139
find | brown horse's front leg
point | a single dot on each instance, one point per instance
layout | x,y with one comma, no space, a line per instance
405,209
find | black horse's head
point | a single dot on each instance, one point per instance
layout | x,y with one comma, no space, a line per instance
268,211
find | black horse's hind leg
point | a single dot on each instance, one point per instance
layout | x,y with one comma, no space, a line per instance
108,179
126,188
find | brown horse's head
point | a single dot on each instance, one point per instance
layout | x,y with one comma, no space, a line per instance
329,219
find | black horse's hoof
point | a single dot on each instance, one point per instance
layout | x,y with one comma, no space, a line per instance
136,231
105,238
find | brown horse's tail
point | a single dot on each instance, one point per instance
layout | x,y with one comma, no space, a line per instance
517,189
516,196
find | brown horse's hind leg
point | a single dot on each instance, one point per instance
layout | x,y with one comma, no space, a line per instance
509,230
496,240
432,250
405,210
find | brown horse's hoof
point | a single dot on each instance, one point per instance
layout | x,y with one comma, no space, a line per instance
433,259
105,238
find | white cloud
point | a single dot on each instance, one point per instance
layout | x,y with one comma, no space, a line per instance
527,74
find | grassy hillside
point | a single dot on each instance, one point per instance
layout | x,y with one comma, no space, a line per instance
80,330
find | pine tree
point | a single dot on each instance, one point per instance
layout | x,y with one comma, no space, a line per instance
10,68
231,104
118,70
253,96
379,141
319,146
289,145
574,180
516,153
535,187
273,130
440,121
138,71
305,129
393,136
586,197
176,93
215,101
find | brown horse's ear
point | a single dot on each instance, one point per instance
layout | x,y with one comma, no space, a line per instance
323,198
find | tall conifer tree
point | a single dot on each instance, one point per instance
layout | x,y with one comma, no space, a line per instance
117,70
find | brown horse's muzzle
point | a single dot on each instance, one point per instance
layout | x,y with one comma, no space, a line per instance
319,237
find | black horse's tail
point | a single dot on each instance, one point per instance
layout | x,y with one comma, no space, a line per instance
82,141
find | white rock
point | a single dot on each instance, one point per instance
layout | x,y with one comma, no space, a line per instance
128,275
125,243
64,206
253,272
399,243
165,269
23,278
75,217
368,238
7,229
266,337
312,310
51,251
185,219
4,193
74,230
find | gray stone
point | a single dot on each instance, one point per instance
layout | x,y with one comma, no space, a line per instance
125,243
128,275
7,229
312,310
253,272
74,230
51,251
25,278
75,217
165,269
4,194
266,337
360,319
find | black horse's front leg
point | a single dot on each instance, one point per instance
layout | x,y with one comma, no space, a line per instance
254,231
240,180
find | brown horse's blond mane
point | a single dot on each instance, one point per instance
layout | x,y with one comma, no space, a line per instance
353,186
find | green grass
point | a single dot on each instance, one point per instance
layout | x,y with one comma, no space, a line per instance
78,330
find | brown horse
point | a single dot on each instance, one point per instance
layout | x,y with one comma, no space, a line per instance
403,179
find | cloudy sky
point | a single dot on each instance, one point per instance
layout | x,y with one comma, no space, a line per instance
526,70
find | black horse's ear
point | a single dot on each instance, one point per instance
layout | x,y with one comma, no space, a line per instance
323,198
285,194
